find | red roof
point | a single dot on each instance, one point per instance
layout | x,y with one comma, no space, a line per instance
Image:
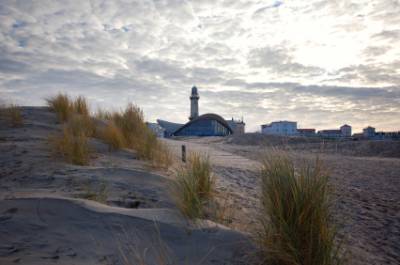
306,130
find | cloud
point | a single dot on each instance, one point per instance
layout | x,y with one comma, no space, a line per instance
317,62
279,60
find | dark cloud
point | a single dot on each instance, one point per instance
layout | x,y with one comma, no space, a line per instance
279,60
390,35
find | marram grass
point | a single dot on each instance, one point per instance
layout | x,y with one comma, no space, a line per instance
296,218
12,114
72,144
194,186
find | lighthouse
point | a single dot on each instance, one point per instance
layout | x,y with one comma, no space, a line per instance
194,104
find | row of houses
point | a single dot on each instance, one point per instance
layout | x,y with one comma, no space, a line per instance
289,128
370,133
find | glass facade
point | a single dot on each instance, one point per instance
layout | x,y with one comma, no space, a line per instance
204,127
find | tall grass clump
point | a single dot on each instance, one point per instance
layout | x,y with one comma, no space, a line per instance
72,144
194,186
296,218
80,106
127,129
62,105
12,114
112,135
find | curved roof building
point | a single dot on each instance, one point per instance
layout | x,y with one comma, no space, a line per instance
205,125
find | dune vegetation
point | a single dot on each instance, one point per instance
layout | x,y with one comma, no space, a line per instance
12,114
127,129
123,129
296,217
194,186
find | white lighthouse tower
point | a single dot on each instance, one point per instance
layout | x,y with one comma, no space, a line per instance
194,104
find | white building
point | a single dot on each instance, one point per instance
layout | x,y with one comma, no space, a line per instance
369,132
345,131
280,128
237,126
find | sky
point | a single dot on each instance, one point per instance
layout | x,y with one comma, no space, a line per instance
320,63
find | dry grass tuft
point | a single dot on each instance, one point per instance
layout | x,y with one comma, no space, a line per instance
127,129
65,107
98,193
296,216
12,114
113,136
80,106
103,115
194,186
73,144
62,105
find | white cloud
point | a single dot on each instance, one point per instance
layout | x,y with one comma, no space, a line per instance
319,62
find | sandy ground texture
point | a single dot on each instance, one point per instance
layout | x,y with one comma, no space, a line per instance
366,194
46,217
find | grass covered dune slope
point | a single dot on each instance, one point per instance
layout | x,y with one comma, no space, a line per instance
116,209
78,188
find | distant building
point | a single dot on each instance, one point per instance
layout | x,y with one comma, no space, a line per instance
280,128
238,126
330,133
345,131
201,125
306,132
194,104
156,129
205,125
169,127
369,132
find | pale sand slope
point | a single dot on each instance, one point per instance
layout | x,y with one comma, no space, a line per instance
43,222
366,193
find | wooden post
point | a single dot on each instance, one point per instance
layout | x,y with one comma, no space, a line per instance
183,153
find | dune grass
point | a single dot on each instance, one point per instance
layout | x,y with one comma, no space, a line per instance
12,114
127,129
61,104
112,135
194,186
72,144
296,215
124,129
66,107
97,193
80,106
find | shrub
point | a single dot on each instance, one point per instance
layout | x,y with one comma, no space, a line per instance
194,186
62,105
13,115
296,217
73,144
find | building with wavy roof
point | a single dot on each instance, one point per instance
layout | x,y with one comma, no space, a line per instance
209,124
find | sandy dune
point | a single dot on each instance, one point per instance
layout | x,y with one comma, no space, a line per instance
44,218
366,194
